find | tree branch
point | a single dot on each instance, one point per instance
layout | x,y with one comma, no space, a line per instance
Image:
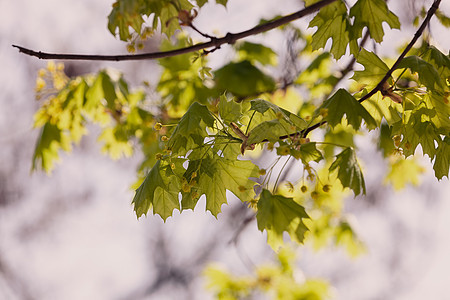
229,38
379,86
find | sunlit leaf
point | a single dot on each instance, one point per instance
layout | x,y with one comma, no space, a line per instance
442,162
50,141
257,52
277,214
374,69
215,175
159,191
331,22
349,172
372,14
191,129
307,152
229,110
342,103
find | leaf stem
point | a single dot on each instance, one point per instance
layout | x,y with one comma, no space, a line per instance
279,174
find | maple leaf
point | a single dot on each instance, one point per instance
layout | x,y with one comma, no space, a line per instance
229,110
379,108
439,60
268,130
342,103
262,106
307,152
416,130
374,69
158,191
215,175
441,106
372,14
191,130
428,75
349,172
277,214
51,140
331,22
280,122
442,162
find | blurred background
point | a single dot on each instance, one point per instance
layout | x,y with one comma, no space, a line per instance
74,235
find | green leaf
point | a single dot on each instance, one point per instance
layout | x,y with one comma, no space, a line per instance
243,79
440,104
381,108
442,162
159,190
445,20
403,172
428,75
268,130
215,175
191,130
222,2
439,60
257,53
115,142
277,214
374,69
307,152
229,110
342,103
262,106
102,88
416,129
331,22
50,141
372,14
349,172
339,135
279,122
385,142
127,16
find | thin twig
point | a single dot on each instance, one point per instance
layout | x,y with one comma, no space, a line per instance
229,38
201,33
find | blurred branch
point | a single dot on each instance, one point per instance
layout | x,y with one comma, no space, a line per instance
14,282
229,38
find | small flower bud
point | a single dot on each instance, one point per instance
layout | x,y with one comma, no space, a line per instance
323,112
